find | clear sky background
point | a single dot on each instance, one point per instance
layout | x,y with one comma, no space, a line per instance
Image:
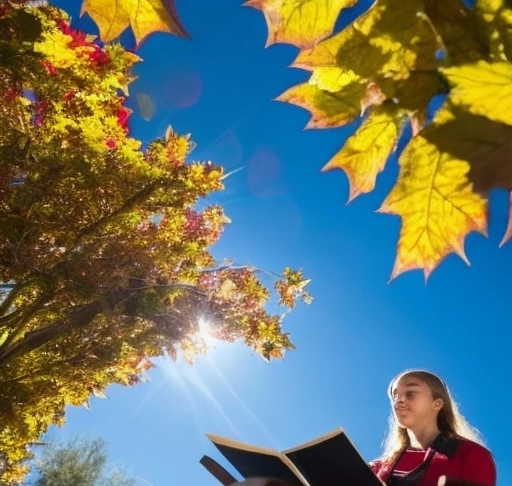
358,333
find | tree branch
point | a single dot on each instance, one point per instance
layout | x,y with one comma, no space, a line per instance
131,202
76,318
80,317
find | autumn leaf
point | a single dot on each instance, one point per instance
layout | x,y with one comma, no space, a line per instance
143,16
293,287
486,145
404,54
508,232
456,28
99,393
434,198
388,50
389,41
495,22
299,22
365,153
483,88
327,109
414,93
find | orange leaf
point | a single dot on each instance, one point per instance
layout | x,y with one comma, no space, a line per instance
437,205
299,22
144,16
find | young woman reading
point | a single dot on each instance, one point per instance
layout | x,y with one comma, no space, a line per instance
429,442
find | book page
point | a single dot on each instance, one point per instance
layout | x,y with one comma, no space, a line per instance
332,459
251,461
310,443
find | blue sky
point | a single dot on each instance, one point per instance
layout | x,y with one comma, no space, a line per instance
358,333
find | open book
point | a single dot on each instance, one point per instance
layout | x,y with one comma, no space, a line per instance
329,460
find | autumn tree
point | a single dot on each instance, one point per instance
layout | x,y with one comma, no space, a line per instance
104,243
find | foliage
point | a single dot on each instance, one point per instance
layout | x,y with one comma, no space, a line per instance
104,244
143,16
289,19
385,69
80,462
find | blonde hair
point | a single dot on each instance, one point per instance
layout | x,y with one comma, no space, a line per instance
449,419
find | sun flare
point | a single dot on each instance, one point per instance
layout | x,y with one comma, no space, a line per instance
205,331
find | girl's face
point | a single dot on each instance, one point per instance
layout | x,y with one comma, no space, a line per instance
413,404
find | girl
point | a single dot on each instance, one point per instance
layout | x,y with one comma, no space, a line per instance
429,442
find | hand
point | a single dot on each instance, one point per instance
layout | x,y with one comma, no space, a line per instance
444,481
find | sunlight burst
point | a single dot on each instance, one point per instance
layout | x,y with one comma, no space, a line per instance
205,331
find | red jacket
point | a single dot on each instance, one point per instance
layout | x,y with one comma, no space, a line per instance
457,459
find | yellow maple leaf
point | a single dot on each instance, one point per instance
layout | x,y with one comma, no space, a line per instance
328,109
483,88
299,22
383,55
144,16
457,28
485,144
389,41
495,20
438,207
365,153
415,92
